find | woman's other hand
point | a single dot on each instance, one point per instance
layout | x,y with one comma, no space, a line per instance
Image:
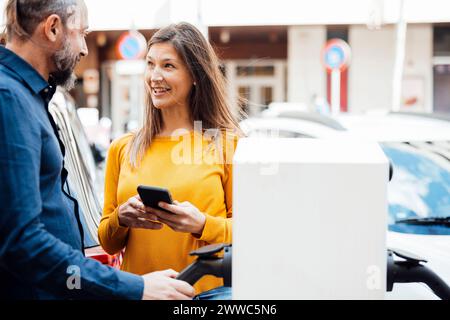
132,214
182,217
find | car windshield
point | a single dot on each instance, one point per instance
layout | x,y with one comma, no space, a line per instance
420,188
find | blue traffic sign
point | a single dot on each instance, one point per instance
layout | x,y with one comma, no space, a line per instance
336,55
131,45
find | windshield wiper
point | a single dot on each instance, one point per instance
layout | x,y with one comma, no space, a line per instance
443,221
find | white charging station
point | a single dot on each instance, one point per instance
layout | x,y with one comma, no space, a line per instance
309,219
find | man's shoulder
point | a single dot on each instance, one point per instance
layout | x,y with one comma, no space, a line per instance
9,83
13,101
9,93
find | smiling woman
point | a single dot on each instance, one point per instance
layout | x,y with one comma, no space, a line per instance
186,145
167,78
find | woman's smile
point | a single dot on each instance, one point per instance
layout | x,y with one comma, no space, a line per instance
160,91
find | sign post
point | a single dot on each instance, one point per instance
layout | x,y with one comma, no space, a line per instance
336,57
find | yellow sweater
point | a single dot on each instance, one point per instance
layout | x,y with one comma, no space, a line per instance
193,169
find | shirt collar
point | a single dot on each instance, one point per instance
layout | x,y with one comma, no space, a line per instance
48,92
25,71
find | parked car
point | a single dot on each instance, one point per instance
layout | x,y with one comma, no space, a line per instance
85,173
418,146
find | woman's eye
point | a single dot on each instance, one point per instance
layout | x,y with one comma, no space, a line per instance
169,65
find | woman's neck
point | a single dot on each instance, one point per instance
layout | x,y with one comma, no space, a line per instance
175,119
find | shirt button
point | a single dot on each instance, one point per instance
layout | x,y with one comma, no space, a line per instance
46,90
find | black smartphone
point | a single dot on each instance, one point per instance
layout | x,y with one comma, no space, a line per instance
151,196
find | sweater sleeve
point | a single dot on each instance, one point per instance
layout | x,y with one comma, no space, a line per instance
111,235
219,229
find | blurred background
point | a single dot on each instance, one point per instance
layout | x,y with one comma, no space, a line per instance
397,59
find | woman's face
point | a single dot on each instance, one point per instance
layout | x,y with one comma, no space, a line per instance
167,76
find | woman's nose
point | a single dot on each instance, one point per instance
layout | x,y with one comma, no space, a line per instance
156,75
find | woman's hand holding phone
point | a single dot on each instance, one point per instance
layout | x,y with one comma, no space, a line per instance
133,214
182,217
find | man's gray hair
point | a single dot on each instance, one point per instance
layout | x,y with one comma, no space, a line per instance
23,16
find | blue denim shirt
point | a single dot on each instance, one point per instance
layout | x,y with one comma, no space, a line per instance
40,231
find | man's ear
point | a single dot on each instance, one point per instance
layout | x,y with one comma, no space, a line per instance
52,27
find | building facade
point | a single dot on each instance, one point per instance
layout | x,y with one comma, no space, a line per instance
272,52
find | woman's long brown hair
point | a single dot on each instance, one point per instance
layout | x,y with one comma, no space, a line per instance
208,100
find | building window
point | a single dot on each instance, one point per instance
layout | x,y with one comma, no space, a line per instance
441,68
441,41
255,84
266,95
246,71
244,97
337,32
441,79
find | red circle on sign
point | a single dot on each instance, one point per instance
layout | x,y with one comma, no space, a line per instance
131,45
340,47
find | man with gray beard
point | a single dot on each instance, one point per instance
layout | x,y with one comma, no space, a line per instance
41,238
